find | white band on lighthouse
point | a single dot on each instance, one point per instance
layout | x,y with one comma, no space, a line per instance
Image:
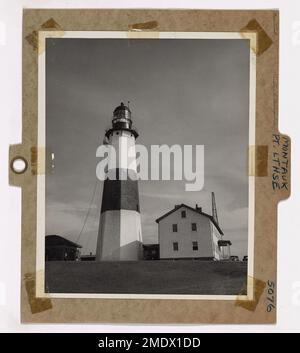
123,144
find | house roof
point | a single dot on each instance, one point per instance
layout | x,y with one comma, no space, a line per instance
55,240
199,211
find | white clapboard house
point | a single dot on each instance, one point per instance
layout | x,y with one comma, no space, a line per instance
187,232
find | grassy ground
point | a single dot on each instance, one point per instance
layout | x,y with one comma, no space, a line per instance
147,277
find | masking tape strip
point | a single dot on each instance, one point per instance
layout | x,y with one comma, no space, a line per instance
263,41
143,30
37,42
37,305
143,26
257,286
258,161
42,161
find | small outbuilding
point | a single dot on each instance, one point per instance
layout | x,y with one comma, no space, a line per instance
151,251
58,248
224,246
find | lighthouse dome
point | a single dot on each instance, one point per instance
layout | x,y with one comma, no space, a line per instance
122,112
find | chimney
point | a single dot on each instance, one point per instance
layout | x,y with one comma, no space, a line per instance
199,209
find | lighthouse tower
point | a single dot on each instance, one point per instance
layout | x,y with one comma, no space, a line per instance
120,235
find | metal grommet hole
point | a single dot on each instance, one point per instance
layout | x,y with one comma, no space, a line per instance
18,165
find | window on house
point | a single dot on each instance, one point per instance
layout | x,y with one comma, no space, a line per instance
175,246
195,245
183,214
194,226
175,228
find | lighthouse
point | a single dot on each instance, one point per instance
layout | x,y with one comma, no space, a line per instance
120,233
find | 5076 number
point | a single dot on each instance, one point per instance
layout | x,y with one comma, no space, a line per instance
271,296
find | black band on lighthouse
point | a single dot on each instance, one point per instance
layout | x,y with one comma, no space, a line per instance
120,195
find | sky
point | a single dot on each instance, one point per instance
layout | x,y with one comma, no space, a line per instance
192,92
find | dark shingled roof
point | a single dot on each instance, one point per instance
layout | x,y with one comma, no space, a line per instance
54,240
192,209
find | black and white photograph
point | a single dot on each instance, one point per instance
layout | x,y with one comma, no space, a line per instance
151,159
147,191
